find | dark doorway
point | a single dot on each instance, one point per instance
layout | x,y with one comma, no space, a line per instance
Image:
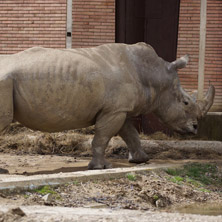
152,21
156,23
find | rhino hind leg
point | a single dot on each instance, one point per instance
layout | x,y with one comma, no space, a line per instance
6,107
6,103
106,127
131,137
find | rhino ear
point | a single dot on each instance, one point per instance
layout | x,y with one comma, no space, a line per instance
179,63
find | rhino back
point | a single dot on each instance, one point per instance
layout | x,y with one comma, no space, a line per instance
54,90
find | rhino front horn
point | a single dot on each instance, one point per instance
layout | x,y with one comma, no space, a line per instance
207,102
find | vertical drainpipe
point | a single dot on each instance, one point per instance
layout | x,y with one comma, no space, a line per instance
69,25
202,45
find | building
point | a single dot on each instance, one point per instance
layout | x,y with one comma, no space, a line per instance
172,27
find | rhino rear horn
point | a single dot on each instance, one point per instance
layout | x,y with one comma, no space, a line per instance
207,102
179,63
193,94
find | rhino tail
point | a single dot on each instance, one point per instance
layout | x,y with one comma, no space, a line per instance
6,102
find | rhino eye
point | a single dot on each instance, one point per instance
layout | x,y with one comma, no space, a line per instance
185,102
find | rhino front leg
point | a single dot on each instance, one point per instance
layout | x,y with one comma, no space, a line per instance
106,127
131,137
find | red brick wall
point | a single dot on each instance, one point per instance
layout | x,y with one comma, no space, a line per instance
26,23
188,43
93,22
213,61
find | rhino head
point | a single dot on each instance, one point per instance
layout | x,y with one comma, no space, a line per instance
179,110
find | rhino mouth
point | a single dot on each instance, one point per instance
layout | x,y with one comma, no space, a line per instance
191,131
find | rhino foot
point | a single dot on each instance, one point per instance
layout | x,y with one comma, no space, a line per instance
138,157
96,165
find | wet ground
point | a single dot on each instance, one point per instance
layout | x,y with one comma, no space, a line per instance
211,208
26,152
48,164
65,214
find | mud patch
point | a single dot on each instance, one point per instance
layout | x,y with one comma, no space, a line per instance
211,208
48,164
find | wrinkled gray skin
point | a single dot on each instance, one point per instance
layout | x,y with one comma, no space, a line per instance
53,90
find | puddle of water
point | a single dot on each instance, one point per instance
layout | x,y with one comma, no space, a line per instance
77,167
213,209
59,170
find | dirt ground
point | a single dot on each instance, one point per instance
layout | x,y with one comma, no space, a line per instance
154,190
23,151
20,140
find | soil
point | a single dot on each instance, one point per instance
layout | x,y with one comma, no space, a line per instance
148,191
23,150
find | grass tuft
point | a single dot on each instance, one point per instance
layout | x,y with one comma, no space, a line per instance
45,190
131,177
196,174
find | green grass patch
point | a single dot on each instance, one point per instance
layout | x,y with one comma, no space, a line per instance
155,197
176,179
174,172
76,182
197,174
45,190
26,196
193,182
204,190
131,177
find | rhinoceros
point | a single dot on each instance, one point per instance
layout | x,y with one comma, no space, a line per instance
53,90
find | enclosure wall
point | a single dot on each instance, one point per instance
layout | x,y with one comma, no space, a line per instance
188,43
93,22
28,23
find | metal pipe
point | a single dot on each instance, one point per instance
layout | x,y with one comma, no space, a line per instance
202,46
69,25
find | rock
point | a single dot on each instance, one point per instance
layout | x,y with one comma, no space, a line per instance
18,211
3,171
12,215
162,202
48,197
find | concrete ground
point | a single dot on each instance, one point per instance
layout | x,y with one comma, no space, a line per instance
64,214
21,182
